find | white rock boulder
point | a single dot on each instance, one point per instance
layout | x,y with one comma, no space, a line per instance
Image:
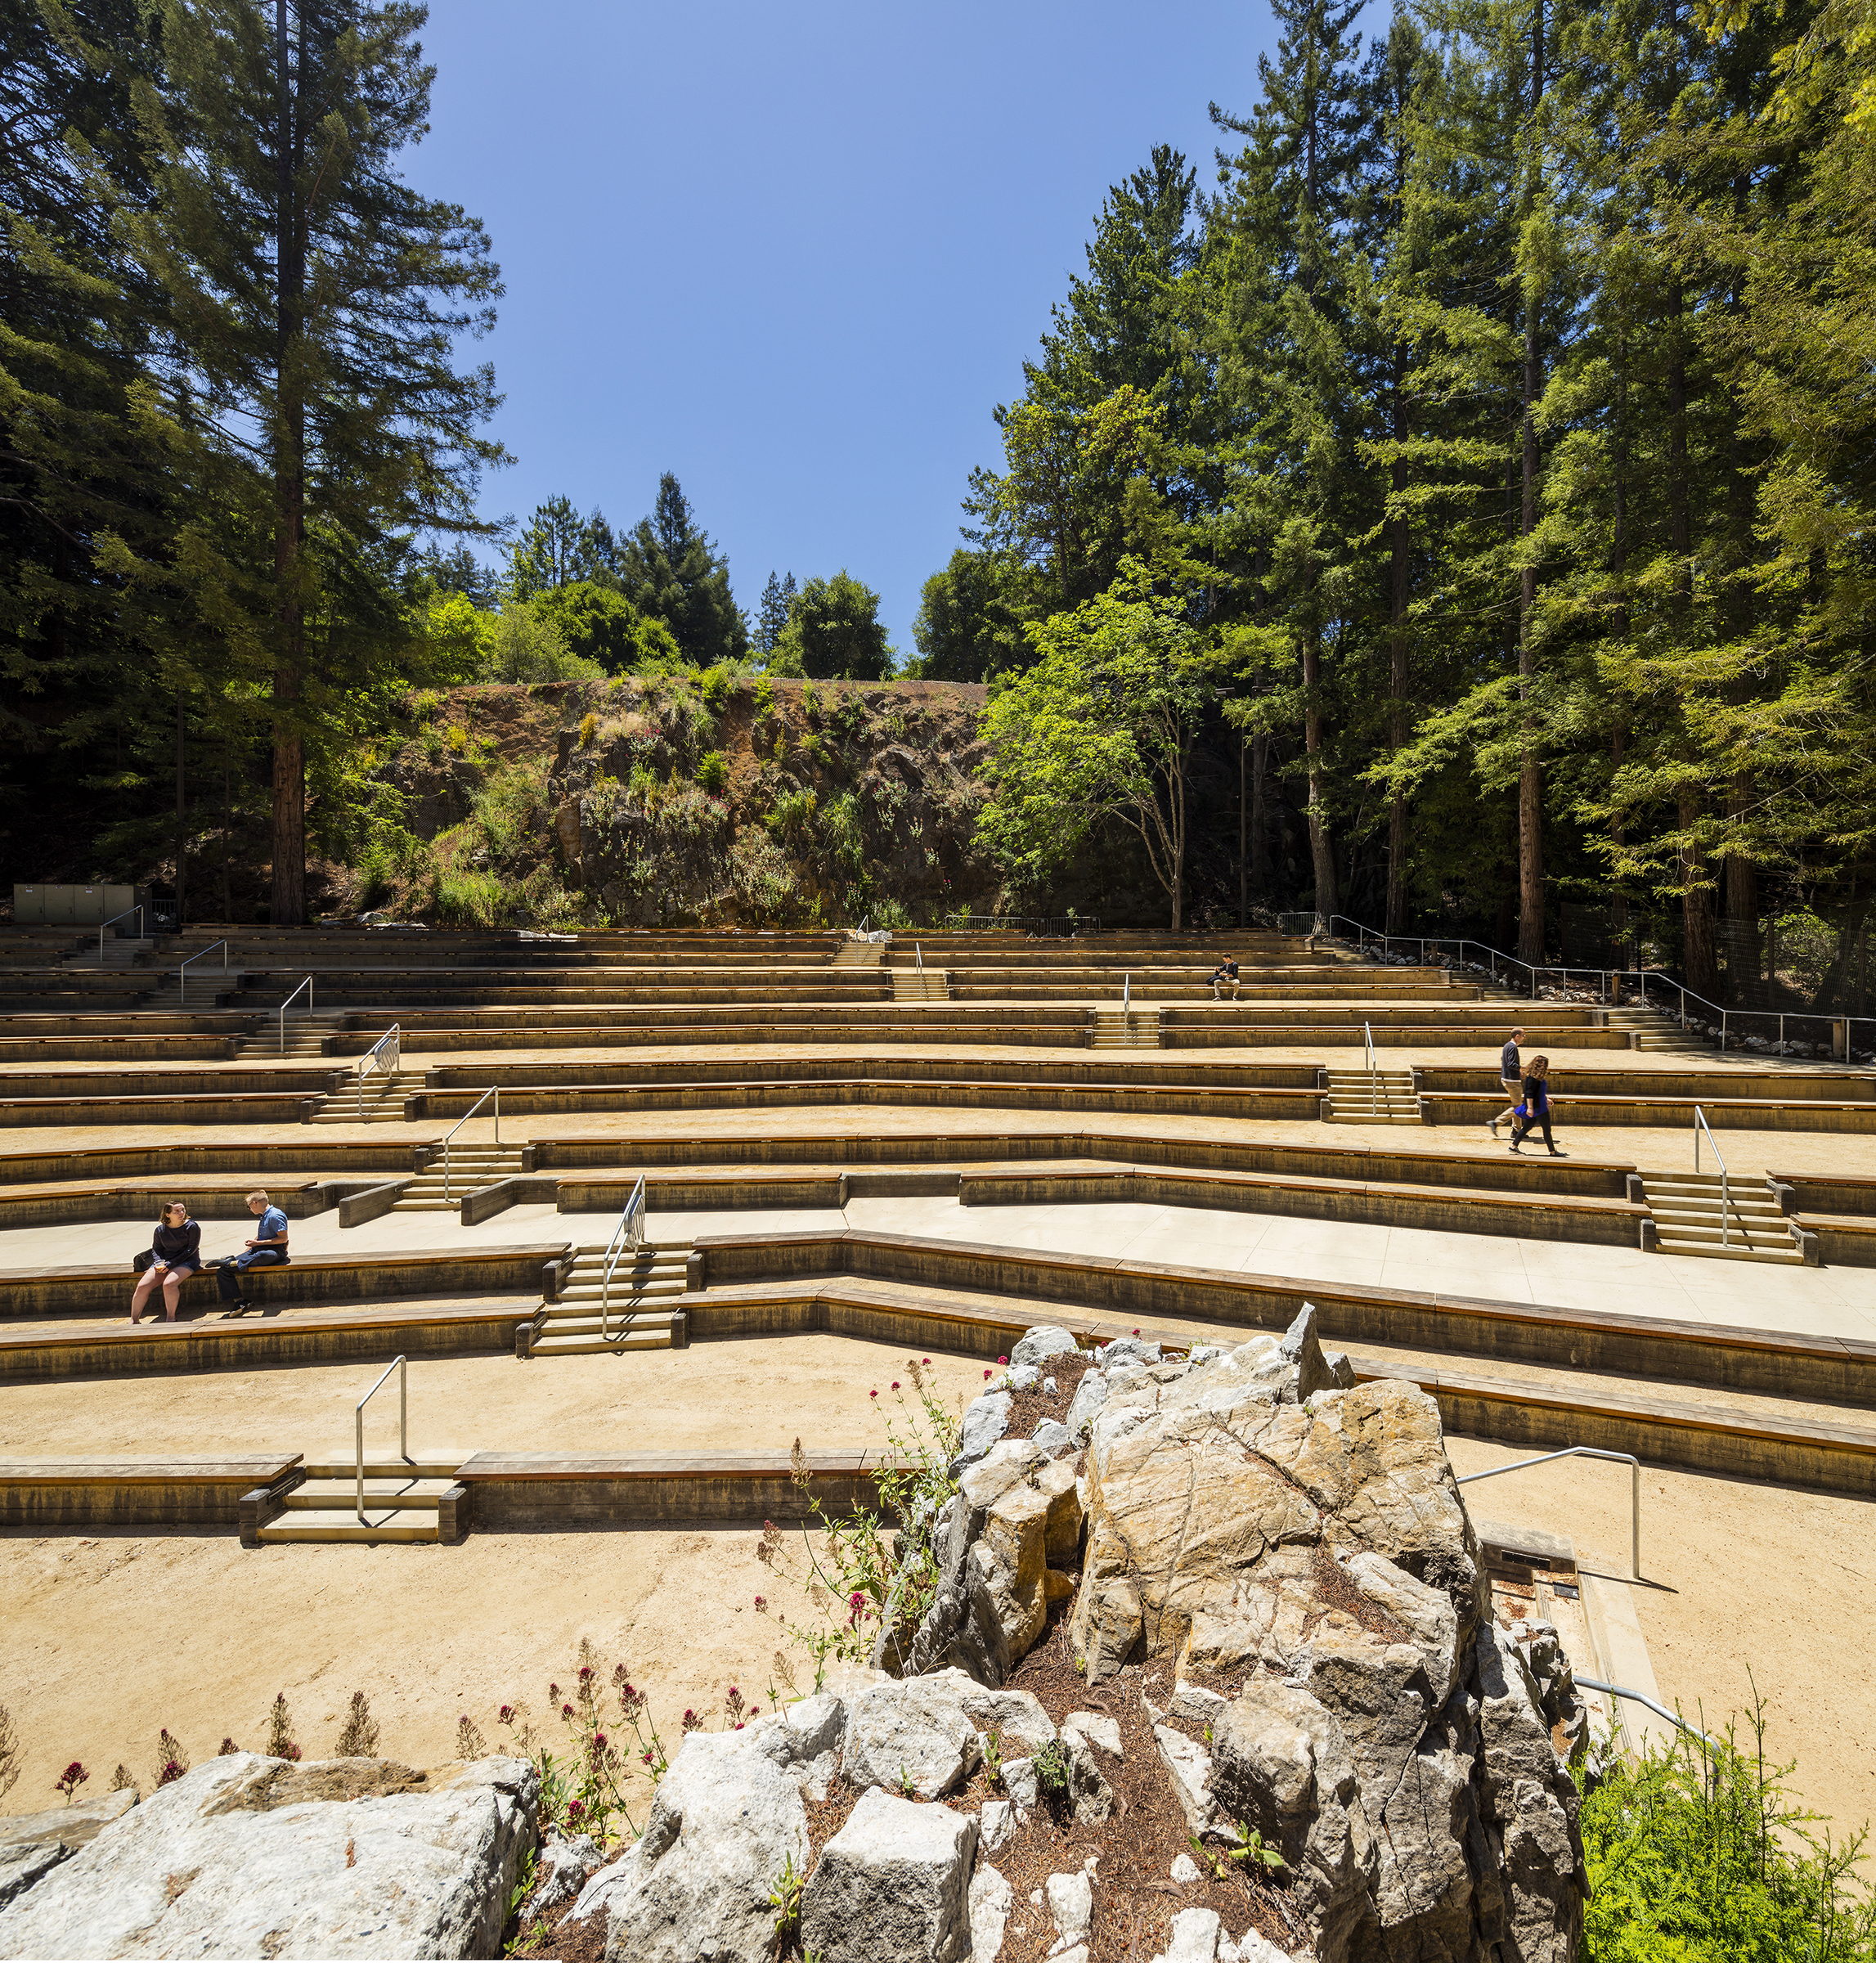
892,1886
250,1856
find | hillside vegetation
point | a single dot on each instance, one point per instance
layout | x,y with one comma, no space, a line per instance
710,799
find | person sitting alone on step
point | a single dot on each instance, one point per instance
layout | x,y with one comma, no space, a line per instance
266,1249
1534,1113
1509,1074
1225,976
175,1253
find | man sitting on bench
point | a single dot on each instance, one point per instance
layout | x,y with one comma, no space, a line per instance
266,1249
1225,976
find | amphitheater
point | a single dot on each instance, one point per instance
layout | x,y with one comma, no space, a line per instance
639,1210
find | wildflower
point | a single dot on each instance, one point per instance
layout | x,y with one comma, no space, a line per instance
761,1603
927,1363
586,1671
896,1383
645,1756
1003,1361
1136,1331
986,1376
553,1692
873,1394
566,1710
506,1713
574,1809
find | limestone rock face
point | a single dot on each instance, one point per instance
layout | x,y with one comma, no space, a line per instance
1206,1494
1255,1522
694,1887
892,1886
251,1857
912,1736
32,1845
1016,1516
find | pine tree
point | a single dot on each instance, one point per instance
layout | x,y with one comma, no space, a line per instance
313,299
559,547
778,598
670,569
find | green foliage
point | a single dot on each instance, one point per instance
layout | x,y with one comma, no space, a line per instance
559,549
597,625
834,629
864,1574
1696,1855
1052,1767
969,627
713,772
1100,730
670,571
527,644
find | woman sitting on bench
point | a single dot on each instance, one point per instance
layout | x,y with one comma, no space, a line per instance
175,1253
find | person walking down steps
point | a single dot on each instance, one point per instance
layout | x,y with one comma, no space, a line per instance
266,1249
1534,1113
1511,1074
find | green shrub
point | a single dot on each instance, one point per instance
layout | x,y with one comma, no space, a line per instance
765,697
713,772
718,684
1695,1855
793,817
891,916
465,899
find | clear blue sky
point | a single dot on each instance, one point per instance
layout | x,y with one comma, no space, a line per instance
796,254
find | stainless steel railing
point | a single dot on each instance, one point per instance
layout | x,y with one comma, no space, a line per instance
493,1091
627,1237
1624,1459
113,922
1700,1124
1374,1071
392,1042
304,989
182,972
396,1363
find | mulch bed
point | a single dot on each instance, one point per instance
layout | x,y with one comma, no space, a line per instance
1028,1408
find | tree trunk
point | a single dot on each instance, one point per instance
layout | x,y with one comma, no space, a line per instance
1322,856
1394,921
182,823
1698,964
289,899
1530,772
1259,816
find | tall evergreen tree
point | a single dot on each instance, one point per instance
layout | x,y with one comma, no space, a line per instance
778,598
671,570
559,547
312,300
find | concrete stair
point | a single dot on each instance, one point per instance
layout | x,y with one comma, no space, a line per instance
402,1501
1687,1212
1131,1029
120,950
1380,1097
860,953
306,1034
471,1166
647,1295
1652,1030
383,1103
921,984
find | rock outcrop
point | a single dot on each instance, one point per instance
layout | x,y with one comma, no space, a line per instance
251,1857
1284,1556
1257,1525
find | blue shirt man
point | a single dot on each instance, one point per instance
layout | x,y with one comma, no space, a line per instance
268,1249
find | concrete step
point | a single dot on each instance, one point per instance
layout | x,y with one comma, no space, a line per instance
394,1495
378,1527
1712,1249
418,1465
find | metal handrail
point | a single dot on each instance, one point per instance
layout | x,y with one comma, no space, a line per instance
1641,1697
392,1037
113,922
305,988
397,1364
918,956
1625,1458
629,1233
1127,997
1374,1071
493,1091
182,972
1700,1124
1606,980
